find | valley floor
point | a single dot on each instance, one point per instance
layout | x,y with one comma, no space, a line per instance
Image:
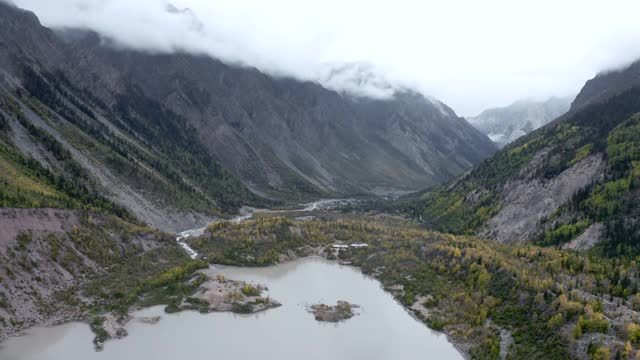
492,300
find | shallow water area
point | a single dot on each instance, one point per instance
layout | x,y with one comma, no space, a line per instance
382,330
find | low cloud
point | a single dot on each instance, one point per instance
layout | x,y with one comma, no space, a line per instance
471,55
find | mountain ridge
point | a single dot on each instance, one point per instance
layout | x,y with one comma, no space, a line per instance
607,84
506,124
572,177
230,104
178,138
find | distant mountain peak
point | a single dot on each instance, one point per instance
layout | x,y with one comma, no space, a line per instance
506,124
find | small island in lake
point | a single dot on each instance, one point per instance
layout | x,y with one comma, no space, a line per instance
220,294
341,311
200,293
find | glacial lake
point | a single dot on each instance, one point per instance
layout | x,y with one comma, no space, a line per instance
382,330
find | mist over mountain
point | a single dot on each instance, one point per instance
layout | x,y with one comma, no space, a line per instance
282,138
412,44
506,124
150,150
607,84
570,183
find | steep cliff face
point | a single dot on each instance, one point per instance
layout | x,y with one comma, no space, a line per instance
571,183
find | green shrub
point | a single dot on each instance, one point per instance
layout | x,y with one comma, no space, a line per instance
250,290
23,240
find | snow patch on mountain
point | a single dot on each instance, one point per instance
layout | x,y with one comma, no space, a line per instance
506,124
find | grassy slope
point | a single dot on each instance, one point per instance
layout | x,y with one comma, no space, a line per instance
27,183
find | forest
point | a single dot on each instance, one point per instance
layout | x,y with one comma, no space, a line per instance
609,129
550,301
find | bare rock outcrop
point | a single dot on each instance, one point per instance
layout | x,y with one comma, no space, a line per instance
587,239
526,201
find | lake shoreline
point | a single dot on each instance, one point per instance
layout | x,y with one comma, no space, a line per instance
460,346
83,316
134,310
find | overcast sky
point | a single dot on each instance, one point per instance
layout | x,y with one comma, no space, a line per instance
470,54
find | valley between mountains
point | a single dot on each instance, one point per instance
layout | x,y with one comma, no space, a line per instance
131,181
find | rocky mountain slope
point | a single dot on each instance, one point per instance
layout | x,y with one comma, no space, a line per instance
166,136
506,124
571,183
57,264
607,84
137,154
283,137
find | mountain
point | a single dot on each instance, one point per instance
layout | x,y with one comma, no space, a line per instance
505,124
608,84
76,190
286,138
139,157
100,148
176,139
103,149
571,183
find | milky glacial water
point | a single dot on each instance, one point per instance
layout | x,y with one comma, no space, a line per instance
382,330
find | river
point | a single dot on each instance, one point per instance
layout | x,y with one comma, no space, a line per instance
246,213
382,330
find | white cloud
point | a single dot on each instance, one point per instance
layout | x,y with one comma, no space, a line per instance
469,54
